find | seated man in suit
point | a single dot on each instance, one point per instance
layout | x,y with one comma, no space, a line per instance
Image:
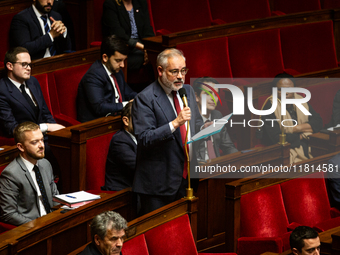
210,148
121,159
26,184
40,30
21,98
304,240
103,91
108,233
296,135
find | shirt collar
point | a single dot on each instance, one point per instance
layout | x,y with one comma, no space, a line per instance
16,84
37,13
107,70
28,164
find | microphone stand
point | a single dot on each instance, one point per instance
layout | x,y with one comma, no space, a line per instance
190,191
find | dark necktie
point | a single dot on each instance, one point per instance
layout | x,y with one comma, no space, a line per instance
47,29
183,133
42,189
27,97
120,100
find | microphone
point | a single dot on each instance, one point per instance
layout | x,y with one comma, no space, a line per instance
183,94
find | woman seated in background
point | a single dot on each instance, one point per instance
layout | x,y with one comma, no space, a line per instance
129,20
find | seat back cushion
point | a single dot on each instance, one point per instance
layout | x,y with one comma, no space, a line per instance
189,14
306,200
240,10
309,47
66,83
96,153
43,81
212,60
292,6
135,246
263,213
5,21
171,238
256,54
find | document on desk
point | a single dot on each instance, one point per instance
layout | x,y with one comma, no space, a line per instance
214,128
75,198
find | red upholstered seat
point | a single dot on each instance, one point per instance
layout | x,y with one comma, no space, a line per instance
256,54
330,4
212,60
4,227
5,21
309,47
173,237
135,246
293,6
263,222
306,202
186,15
43,81
96,154
97,22
63,85
240,10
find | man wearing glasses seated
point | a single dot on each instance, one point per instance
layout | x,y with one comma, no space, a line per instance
160,121
21,98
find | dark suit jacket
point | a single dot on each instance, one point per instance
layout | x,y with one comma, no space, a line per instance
25,31
96,96
91,249
120,162
336,111
333,178
221,141
19,202
160,154
14,108
115,21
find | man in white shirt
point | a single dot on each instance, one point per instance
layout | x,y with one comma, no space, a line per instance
103,91
40,30
27,184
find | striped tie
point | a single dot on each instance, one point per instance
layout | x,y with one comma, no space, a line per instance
47,29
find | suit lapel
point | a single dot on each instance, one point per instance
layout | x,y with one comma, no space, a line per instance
27,173
16,94
163,101
125,15
35,20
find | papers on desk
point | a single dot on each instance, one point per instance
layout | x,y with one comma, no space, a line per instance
214,128
332,128
75,199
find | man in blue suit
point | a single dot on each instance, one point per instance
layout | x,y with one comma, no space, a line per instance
21,98
40,30
121,159
159,125
103,91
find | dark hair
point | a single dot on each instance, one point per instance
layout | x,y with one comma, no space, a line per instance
11,55
126,111
112,44
299,234
281,76
198,83
19,130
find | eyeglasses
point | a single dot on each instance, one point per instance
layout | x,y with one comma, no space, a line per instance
24,64
175,72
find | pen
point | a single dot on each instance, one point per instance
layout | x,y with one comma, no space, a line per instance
71,196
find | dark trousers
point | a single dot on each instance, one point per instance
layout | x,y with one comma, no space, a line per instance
150,203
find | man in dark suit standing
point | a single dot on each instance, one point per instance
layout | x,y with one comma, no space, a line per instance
160,123
21,98
210,148
26,184
103,91
121,159
40,30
